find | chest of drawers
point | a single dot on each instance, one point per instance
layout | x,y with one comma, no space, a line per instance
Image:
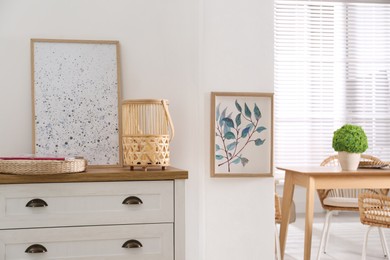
106,214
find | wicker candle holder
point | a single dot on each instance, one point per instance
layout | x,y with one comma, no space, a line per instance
147,132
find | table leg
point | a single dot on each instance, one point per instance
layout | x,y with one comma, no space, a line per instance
310,191
288,192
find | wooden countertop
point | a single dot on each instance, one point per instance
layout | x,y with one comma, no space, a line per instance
99,175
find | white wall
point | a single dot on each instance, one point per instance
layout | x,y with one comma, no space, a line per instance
180,50
236,55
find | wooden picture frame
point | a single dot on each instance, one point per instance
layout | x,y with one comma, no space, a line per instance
76,94
241,134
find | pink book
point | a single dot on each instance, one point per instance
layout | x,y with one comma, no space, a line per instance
32,158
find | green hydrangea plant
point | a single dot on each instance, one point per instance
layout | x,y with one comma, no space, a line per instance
350,138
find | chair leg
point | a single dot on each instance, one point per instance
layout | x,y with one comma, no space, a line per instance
325,235
384,243
364,251
277,244
328,230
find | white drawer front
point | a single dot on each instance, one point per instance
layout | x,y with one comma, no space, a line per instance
73,204
94,243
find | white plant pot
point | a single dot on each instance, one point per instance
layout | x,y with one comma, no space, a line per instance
349,161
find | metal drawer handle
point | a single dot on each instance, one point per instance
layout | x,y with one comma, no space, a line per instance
36,203
132,200
36,248
132,243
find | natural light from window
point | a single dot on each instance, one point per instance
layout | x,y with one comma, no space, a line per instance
332,66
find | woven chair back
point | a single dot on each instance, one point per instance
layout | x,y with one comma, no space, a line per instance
374,210
347,193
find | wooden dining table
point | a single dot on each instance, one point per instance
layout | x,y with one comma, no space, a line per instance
321,177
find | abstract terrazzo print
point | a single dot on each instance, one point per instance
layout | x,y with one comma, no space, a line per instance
76,97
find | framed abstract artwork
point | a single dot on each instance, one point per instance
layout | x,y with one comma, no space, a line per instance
76,100
241,134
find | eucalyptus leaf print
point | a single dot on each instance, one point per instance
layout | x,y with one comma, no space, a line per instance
236,131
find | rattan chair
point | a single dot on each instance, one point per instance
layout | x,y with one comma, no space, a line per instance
375,212
335,200
278,220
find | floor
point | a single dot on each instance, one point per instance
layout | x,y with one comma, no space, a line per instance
345,243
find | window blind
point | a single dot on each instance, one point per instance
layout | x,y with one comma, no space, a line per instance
332,66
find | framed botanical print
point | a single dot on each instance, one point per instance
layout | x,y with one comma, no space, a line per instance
241,134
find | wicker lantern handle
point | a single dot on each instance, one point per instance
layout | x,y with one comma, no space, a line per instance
164,103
